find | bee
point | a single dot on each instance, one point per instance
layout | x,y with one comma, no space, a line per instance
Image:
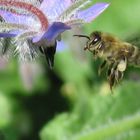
115,53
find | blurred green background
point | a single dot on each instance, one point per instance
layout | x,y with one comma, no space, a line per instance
71,102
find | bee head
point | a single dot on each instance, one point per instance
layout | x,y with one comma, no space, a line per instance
94,41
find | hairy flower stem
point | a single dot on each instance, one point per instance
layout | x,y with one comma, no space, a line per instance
29,7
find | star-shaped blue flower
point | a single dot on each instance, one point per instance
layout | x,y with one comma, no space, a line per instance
34,24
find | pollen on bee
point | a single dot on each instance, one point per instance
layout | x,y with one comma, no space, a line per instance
122,66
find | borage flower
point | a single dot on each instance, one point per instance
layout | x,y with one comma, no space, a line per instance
37,25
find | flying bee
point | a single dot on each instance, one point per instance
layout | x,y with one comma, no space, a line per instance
115,53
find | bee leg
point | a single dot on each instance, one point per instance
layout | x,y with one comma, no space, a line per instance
109,70
118,76
95,54
101,67
112,78
111,75
86,47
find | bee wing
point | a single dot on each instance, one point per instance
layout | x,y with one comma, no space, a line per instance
134,39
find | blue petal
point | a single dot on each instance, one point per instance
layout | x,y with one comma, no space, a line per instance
61,46
5,35
53,31
56,29
53,8
91,13
18,19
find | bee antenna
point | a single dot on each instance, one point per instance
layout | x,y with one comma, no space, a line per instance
83,36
